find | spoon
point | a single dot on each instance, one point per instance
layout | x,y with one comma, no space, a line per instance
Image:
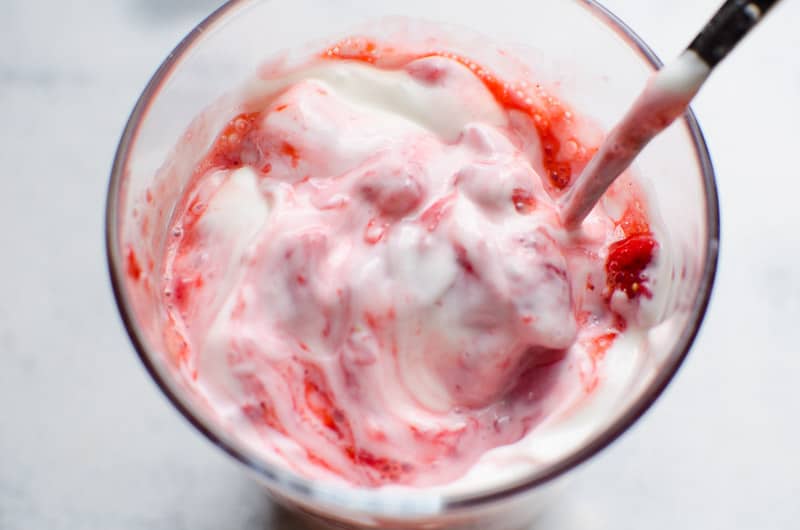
665,98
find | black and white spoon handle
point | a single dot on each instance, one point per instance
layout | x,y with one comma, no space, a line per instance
727,27
665,98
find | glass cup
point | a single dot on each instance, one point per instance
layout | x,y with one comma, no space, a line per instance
590,59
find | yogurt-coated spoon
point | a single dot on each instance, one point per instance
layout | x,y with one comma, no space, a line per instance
665,98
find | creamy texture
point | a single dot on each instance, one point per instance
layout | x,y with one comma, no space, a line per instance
370,280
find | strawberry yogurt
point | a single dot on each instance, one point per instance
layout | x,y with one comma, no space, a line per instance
367,278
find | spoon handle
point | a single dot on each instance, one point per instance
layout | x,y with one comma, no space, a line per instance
727,27
664,99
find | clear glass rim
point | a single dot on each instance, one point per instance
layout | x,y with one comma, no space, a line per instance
300,486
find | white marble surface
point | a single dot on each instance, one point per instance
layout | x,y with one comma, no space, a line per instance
86,439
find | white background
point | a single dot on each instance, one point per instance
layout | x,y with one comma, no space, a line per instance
86,439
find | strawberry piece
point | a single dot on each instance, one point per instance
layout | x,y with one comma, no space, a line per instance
626,262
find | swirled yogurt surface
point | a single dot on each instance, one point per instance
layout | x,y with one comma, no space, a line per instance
367,277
